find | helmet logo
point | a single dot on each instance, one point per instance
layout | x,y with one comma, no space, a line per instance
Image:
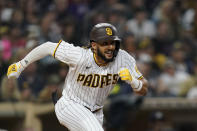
108,31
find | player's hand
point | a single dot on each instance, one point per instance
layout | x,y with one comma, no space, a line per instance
125,75
15,70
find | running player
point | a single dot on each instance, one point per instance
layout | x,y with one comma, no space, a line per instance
93,72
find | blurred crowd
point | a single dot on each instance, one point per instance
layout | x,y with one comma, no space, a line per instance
160,34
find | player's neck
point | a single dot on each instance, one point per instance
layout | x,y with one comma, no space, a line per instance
99,61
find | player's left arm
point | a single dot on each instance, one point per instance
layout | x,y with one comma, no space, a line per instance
139,85
144,88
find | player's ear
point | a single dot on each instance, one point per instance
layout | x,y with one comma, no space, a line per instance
93,45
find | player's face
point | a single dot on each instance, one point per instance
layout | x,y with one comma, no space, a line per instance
105,50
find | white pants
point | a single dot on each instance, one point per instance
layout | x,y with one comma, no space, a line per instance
77,117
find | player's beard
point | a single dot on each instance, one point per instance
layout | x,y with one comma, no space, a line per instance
100,54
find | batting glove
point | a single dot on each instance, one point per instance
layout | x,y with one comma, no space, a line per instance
15,70
126,76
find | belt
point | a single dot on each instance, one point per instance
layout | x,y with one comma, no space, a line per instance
94,110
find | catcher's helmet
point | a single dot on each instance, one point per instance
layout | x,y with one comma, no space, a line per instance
104,31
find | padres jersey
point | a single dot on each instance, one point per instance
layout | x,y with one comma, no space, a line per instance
87,83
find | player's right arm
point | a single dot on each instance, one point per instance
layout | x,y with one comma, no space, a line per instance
62,51
37,53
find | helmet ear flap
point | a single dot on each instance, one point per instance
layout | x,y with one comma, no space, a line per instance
117,48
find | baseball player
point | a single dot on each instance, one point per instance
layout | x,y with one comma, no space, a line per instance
93,72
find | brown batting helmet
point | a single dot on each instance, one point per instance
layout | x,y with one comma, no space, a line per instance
104,31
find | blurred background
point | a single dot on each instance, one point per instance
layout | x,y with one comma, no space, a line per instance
160,34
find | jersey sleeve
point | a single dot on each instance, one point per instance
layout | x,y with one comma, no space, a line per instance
130,63
67,53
